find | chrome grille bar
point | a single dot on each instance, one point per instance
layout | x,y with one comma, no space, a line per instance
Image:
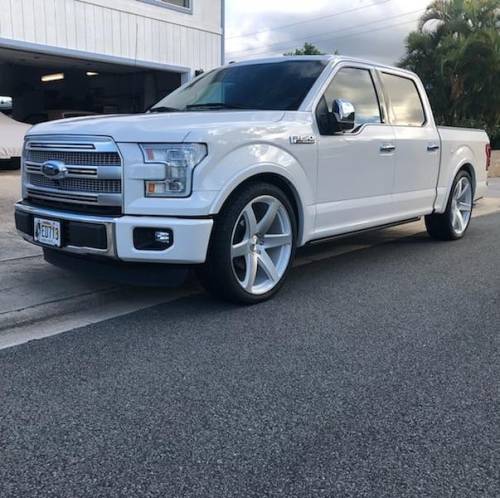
62,145
67,196
72,171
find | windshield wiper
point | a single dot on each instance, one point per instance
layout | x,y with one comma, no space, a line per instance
164,109
216,106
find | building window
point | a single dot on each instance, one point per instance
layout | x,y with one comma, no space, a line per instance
178,3
174,4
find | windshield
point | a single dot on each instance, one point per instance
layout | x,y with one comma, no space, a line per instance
280,86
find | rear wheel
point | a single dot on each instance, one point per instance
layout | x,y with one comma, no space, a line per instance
252,246
453,223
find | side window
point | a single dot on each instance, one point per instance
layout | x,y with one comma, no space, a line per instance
355,86
405,100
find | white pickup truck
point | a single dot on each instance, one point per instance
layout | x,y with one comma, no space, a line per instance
235,169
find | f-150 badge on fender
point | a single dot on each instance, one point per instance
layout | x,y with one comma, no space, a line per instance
301,140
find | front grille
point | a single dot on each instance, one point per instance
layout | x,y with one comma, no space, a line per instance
87,185
93,172
74,158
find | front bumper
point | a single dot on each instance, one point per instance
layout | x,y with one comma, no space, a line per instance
113,237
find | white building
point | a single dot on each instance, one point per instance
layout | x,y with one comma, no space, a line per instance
51,50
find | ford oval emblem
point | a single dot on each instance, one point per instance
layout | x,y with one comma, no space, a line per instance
54,170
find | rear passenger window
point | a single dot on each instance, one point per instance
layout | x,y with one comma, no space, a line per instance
405,100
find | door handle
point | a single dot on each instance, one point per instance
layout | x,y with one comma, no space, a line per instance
432,147
387,148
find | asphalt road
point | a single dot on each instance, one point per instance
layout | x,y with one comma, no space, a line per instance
375,373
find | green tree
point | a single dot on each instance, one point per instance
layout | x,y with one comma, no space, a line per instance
307,49
456,52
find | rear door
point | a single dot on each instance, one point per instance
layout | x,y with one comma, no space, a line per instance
417,144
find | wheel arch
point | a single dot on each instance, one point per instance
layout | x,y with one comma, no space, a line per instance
283,183
468,168
467,164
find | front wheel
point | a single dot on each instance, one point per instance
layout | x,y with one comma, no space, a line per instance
252,246
453,223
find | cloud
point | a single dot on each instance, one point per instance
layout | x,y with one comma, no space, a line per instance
370,29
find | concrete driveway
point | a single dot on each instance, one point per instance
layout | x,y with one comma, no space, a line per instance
494,187
38,300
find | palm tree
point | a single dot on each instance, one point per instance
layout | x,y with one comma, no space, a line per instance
456,52
461,17
450,16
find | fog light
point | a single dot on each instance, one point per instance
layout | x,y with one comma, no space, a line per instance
162,237
153,239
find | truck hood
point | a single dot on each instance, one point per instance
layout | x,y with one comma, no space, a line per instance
165,127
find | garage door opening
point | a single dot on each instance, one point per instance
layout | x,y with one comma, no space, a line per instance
46,87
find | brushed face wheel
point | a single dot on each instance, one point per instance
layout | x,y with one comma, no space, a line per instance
461,205
261,244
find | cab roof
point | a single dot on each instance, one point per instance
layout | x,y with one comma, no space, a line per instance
325,58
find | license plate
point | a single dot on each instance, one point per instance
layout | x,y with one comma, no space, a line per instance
47,232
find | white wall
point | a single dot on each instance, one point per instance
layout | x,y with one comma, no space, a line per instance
123,28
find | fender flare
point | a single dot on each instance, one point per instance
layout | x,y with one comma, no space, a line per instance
302,198
445,192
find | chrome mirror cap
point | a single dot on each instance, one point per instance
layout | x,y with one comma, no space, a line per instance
345,114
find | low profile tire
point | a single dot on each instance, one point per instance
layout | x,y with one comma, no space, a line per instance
252,246
453,223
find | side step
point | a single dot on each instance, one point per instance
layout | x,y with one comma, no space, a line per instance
364,230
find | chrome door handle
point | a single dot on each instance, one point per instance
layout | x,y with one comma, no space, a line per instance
432,147
387,148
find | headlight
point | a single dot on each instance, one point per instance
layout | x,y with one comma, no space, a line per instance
180,160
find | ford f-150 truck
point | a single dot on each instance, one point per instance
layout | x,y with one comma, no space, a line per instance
235,169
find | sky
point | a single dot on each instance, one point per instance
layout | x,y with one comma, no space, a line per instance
369,29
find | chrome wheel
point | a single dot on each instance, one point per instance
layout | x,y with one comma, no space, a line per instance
461,205
261,244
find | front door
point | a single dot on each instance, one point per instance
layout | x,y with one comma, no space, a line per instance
356,168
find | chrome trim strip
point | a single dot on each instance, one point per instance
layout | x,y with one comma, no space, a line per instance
68,143
59,145
107,221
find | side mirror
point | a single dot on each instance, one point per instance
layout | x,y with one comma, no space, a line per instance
344,115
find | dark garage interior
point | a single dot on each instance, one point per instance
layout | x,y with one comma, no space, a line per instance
45,87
